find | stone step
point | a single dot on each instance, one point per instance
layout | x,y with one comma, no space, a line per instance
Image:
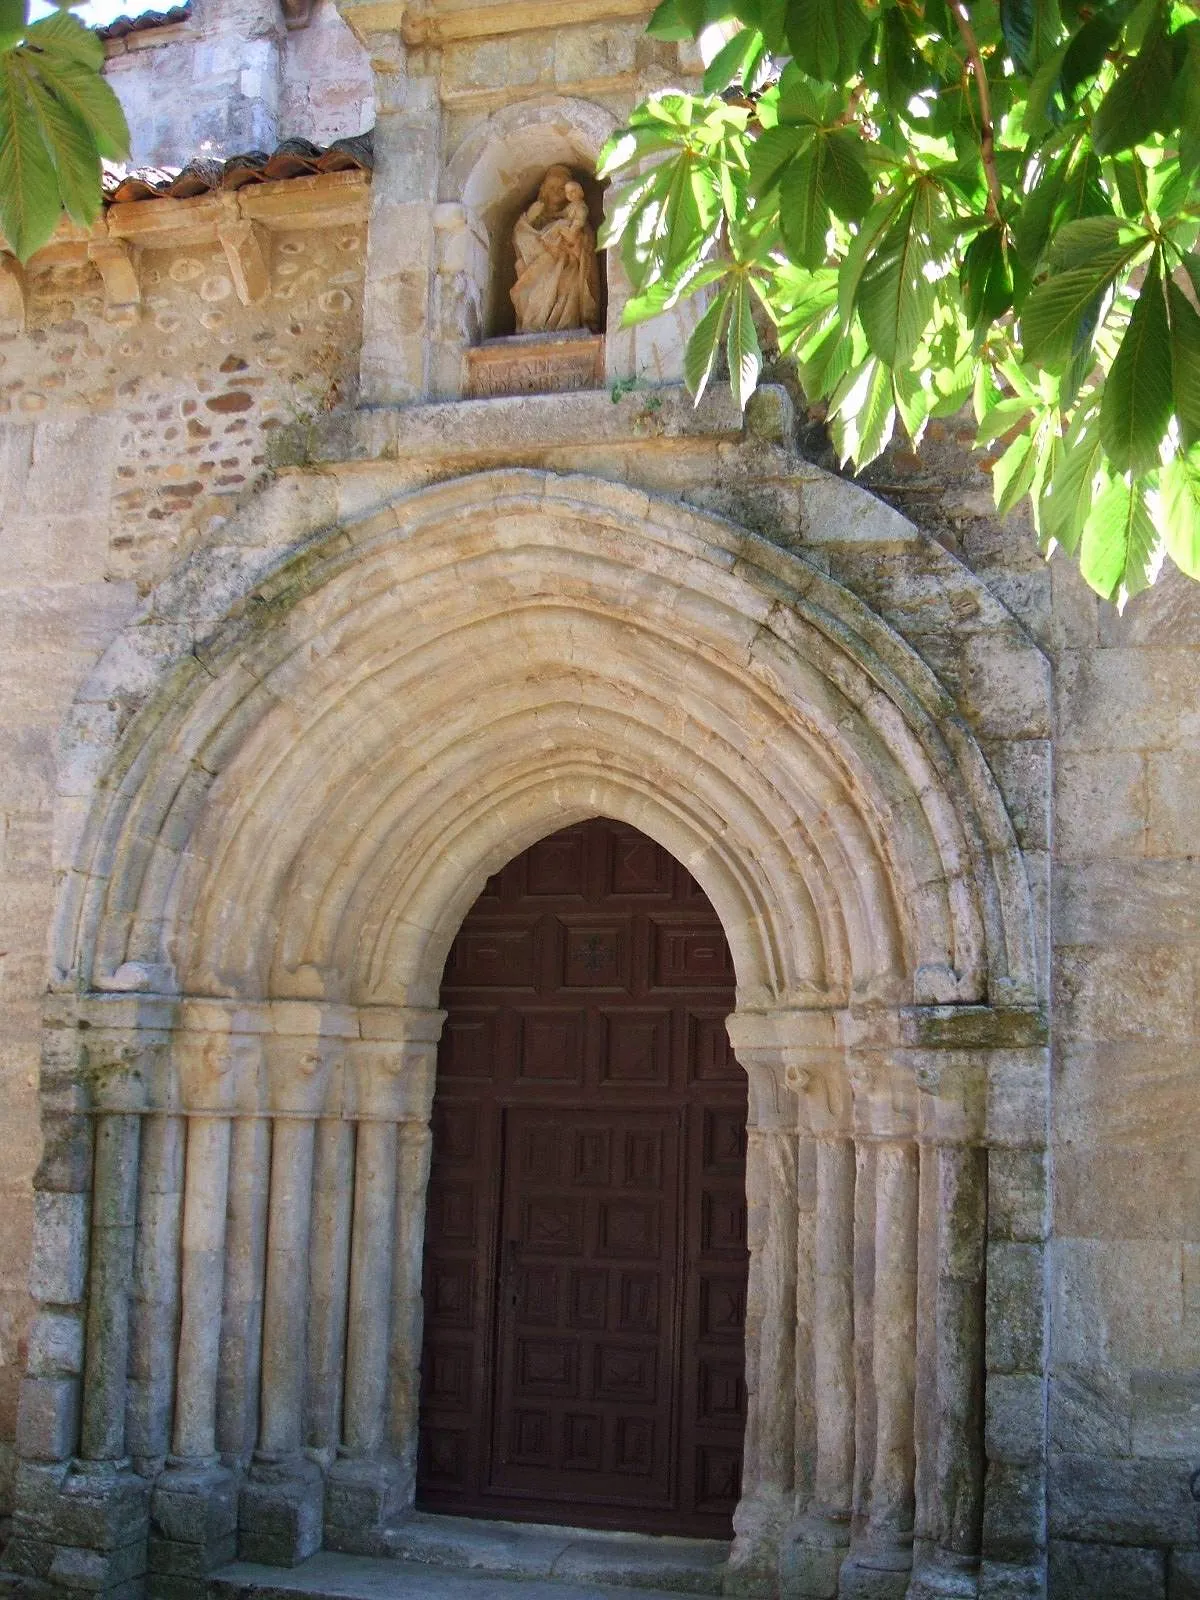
538,1550
452,1558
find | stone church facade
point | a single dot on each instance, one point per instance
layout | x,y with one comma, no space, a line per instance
340,623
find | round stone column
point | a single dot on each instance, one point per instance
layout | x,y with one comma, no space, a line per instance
281,1511
194,1508
391,1078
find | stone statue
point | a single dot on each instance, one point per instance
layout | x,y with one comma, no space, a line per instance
558,278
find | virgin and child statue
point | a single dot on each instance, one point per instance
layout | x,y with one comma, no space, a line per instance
558,278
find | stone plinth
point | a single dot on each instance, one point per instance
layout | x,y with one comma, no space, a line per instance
536,363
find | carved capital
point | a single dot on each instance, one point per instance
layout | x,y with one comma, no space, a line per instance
952,1087
119,1067
306,1055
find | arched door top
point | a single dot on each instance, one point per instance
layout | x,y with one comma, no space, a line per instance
350,751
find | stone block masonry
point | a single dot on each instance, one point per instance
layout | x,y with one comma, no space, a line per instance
287,675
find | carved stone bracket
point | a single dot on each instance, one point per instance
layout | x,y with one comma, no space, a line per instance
248,255
12,294
117,264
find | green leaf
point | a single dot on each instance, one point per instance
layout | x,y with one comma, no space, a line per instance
72,151
1090,46
874,226
986,278
86,95
741,345
1133,107
1068,498
1013,474
771,152
731,61
63,34
13,14
1086,242
702,346
1031,29
1136,406
1051,316
1119,541
846,177
29,200
1179,501
826,37
863,413
804,207
1185,361
632,144
896,293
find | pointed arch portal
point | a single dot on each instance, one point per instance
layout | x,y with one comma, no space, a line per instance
264,879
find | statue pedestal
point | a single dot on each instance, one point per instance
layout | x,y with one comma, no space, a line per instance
536,363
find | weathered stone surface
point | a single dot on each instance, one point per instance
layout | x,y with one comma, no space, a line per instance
1136,1502
48,1419
1183,1575
1015,1307
1100,1572
1014,1513
1165,1408
279,1521
1016,1404
1017,1196
59,1261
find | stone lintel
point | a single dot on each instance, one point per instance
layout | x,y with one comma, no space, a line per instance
443,21
510,429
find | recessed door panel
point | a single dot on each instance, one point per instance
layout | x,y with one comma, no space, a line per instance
585,1256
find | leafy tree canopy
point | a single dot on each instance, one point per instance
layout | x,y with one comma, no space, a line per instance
939,202
58,117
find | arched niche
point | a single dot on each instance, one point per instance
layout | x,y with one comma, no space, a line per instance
488,182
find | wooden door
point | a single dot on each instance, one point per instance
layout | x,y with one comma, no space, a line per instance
585,1252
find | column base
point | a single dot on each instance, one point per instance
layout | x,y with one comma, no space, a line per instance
758,1523
280,1512
362,1496
81,1528
193,1528
810,1558
876,1573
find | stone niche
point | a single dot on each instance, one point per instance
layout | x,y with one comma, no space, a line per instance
508,361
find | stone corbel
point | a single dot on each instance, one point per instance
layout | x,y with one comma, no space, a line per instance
12,294
248,251
116,263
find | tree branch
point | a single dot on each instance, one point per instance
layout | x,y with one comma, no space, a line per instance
987,130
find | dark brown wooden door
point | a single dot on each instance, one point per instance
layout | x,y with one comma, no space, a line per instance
585,1251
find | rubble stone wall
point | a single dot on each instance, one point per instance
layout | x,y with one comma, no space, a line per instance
121,445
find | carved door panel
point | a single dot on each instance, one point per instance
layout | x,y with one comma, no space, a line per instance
585,1256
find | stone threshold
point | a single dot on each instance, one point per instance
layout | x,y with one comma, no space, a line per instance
444,1558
